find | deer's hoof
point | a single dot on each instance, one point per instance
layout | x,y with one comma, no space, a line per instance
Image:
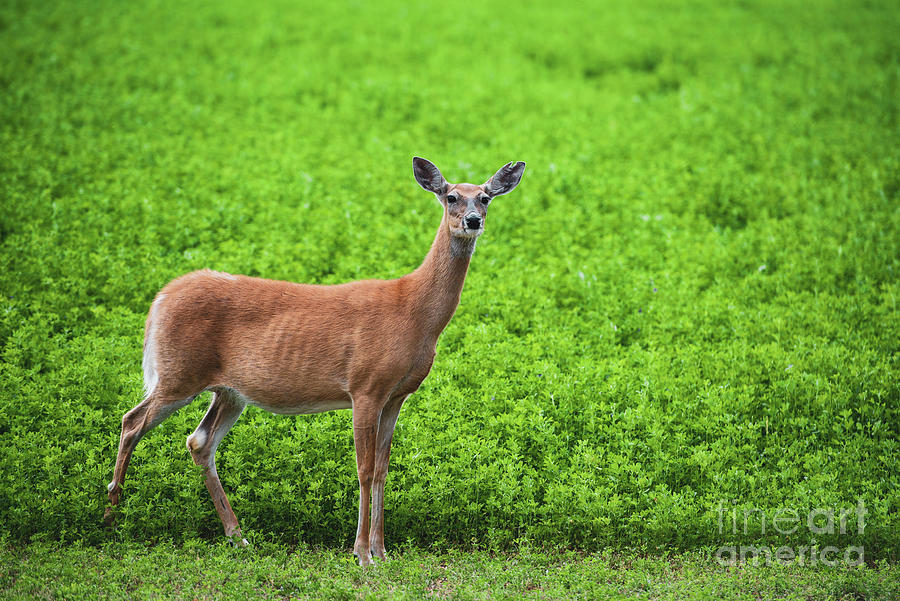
365,559
237,538
109,517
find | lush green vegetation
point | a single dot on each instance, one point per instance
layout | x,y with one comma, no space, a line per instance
198,570
689,303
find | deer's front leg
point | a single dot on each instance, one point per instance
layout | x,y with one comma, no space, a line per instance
386,423
365,429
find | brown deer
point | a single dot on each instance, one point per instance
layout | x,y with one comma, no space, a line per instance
300,348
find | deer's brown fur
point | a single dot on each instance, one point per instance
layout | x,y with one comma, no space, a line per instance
300,348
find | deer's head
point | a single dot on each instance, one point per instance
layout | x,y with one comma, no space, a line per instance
466,204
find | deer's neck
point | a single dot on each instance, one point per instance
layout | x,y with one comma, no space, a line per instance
437,284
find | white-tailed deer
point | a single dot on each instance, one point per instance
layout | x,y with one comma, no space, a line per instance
299,348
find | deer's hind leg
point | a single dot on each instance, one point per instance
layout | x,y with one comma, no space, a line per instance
148,414
224,410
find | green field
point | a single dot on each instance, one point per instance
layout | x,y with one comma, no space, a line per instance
685,312
198,570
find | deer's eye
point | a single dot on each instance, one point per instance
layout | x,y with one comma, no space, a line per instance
452,198
485,199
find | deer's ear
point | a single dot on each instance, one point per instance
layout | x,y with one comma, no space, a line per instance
429,176
506,179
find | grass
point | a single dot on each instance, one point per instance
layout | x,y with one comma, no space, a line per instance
686,312
198,570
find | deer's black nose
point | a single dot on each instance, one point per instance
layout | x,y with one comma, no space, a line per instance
473,222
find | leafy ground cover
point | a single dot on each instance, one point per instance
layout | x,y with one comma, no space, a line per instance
199,570
688,310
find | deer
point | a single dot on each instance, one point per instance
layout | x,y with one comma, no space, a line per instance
291,349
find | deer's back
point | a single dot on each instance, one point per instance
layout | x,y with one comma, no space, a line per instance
289,348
